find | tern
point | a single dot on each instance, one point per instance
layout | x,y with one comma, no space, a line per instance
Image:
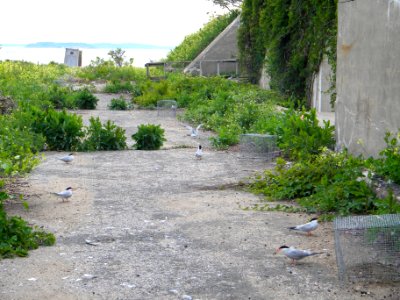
307,227
68,158
65,194
194,132
199,152
295,254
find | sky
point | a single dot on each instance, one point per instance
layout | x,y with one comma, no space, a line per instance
154,22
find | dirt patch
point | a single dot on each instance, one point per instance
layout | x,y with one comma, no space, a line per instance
164,225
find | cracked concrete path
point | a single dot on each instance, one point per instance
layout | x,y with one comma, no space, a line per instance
163,225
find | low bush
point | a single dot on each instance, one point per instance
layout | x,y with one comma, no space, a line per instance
62,131
331,184
84,99
388,165
118,104
107,136
16,236
117,86
149,137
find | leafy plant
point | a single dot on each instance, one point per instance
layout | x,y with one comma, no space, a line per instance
301,135
63,131
149,137
388,165
16,236
118,104
84,99
105,136
331,183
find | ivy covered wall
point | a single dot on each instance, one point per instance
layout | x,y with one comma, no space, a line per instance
289,38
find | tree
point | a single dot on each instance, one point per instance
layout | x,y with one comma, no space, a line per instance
117,56
228,4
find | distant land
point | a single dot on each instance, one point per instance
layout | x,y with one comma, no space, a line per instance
87,45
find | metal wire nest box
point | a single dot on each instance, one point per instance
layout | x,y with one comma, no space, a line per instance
166,108
263,145
368,248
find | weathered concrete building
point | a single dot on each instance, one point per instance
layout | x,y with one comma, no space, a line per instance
368,74
221,56
73,57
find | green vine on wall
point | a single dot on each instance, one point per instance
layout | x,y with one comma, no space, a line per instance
289,38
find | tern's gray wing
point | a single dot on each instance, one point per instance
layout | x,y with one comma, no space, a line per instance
306,227
297,254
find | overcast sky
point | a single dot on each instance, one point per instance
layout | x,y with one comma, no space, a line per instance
156,22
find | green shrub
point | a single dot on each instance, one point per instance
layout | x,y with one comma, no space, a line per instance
118,104
117,86
84,99
18,145
332,183
154,91
149,137
388,165
105,136
60,97
16,236
62,130
301,135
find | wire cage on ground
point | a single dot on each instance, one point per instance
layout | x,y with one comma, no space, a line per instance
368,248
166,108
259,145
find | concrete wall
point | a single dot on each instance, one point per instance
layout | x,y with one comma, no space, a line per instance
321,97
368,74
223,47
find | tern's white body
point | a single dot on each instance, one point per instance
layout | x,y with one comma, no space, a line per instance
296,254
65,194
68,158
307,227
199,152
194,132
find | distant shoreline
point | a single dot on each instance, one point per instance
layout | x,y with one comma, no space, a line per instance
87,45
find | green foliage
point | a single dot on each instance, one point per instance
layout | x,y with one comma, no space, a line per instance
388,165
16,236
18,146
149,137
105,136
84,99
101,69
62,130
301,135
154,91
332,183
118,104
60,97
290,37
117,56
117,86
194,43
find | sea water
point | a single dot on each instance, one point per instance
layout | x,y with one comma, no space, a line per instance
46,55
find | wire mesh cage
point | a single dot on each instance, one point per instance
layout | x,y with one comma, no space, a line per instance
368,248
259,145
166,108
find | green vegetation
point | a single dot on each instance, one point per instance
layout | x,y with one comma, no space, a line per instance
194,43
289,37
149,137
388,165
118,104
105,136
84,99
16,236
